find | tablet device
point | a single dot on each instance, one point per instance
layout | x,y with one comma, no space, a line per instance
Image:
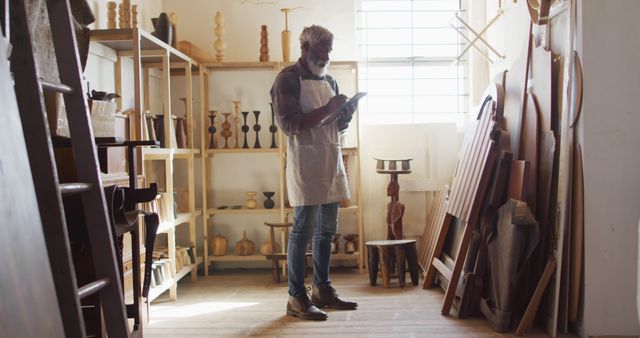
336,113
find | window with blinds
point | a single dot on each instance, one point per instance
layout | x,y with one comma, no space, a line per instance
407,62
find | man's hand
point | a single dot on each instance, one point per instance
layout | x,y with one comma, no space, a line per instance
335,103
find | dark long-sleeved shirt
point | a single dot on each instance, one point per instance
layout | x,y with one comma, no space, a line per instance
285,95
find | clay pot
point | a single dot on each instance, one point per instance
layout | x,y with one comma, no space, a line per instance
245,247
218,245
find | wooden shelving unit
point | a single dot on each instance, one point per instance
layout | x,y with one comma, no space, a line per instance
211,211
147,52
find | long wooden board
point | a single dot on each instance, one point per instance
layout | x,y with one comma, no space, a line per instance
534,303
577,235
432,229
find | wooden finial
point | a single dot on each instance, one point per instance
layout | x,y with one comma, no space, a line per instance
286,36
134,16
219,44
111,15
264,44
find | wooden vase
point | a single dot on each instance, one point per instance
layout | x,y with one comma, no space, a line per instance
251,200
266,248
244,247
218,245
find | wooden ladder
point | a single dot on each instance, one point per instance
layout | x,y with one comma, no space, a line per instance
49,191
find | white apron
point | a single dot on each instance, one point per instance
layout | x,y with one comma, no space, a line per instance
315,171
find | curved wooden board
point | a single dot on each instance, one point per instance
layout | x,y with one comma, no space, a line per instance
577,88
530,138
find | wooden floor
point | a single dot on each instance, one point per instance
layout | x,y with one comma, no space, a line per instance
248,303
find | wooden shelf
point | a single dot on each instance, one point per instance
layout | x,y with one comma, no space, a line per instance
240,65
349,209
209,69
182,218
349,150
158,290
241,211
210,152
168,153
236,258
268,65
122,40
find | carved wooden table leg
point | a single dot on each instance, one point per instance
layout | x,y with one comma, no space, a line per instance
412,260
385,257
374,262
401,258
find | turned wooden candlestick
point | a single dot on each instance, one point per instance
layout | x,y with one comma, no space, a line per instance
236,120
226,130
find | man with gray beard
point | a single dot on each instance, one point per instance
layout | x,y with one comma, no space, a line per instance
304,98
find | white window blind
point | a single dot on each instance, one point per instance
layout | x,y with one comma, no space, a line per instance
407,53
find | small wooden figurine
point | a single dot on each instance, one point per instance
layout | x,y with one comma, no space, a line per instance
219,45
111,15
395,209
264,44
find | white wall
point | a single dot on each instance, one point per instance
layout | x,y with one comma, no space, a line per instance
243,21
610,50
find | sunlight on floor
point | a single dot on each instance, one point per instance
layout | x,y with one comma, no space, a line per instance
161,312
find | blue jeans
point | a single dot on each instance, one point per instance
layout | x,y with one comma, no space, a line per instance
321,223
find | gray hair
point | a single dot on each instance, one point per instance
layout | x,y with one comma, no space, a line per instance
313,35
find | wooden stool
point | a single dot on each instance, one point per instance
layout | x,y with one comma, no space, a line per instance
380,253
276,257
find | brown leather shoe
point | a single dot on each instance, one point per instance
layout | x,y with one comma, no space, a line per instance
326,296
300,306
